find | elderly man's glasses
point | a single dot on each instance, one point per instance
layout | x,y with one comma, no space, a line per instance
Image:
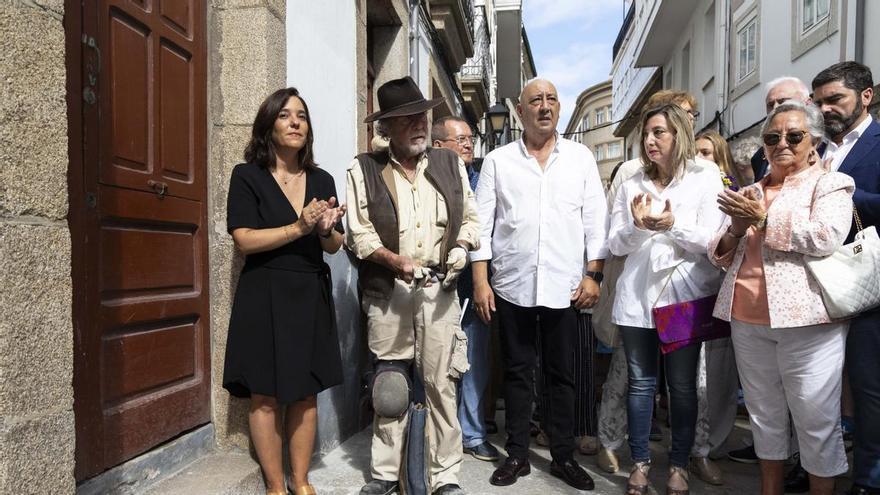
461,140
792,138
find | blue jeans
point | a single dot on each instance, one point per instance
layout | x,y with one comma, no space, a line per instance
642,347
473,384
863,366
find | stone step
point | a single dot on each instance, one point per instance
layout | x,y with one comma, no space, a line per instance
218,473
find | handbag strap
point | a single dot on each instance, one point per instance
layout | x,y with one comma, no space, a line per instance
666,283
857,219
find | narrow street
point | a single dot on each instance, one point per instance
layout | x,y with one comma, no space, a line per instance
345,469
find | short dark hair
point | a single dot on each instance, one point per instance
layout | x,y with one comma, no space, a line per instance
438,129
261,149
854,75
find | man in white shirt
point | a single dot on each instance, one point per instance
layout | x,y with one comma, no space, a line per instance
543,213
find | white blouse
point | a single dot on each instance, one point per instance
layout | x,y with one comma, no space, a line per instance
680,251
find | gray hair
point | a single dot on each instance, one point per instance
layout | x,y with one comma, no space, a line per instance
381,127
812,115
801,87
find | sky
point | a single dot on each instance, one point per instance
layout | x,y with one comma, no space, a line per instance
571,43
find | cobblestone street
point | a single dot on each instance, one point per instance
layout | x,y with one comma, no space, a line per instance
344,470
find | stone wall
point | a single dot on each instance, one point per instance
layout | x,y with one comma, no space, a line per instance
246,48
36,331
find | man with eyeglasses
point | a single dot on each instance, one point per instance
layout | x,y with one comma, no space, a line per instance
843,92
454,133
778,92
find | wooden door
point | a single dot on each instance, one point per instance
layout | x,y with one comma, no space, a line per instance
137,106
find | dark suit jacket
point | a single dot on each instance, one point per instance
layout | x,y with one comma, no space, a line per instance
862,163
759,164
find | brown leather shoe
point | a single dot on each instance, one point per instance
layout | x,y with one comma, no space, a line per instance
508,473
707,470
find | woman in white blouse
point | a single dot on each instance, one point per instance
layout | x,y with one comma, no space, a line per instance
662,220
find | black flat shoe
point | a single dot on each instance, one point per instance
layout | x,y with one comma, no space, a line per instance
508,473
797,480
569,472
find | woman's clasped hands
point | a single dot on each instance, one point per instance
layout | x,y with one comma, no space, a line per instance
643,219
323,215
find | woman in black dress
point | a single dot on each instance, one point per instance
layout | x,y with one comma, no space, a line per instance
282,347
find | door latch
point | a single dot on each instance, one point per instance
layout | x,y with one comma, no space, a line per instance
160,188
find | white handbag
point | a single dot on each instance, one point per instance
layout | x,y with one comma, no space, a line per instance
850,277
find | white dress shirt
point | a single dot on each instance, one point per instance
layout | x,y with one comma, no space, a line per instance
680,251
538,226
838,153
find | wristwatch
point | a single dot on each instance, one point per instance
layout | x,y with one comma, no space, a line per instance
596,276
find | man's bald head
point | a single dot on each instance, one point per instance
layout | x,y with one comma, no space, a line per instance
534,81
539,108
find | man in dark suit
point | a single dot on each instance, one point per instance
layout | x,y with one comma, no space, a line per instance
843,93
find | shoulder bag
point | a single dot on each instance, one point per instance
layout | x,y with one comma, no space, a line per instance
850,277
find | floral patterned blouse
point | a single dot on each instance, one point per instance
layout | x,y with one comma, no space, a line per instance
811,215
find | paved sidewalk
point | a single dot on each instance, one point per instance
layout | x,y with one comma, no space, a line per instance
344,471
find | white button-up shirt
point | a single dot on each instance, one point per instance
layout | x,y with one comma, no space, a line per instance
680,251
538,226
838,153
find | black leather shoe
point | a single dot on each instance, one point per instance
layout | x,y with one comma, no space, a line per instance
797,480
379,487
512,469
863,490
450,489
571,473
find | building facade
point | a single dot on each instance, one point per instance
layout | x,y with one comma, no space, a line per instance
591,124
122,122
725,51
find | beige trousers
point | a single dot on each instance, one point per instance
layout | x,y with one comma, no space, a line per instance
420,324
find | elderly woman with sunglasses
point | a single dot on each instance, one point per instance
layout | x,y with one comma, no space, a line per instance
789,352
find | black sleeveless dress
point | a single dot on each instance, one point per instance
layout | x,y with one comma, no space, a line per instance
282,333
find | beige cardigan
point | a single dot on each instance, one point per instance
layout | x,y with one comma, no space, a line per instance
811,215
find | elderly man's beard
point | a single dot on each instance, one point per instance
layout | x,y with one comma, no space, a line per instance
411,150
835,124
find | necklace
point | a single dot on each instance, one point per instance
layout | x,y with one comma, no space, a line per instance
289,178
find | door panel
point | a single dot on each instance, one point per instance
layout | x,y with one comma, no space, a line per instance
138,219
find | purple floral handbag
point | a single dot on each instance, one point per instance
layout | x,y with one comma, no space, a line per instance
689,322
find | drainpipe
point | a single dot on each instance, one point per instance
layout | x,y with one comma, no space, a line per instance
414,30
859,34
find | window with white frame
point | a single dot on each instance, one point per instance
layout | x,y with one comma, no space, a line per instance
813,13
614,149
747,49
600,152
585,123
601,115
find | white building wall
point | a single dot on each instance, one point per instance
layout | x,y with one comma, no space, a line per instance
776,60
321,51
872,39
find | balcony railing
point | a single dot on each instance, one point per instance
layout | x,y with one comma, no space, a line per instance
468,7
480,65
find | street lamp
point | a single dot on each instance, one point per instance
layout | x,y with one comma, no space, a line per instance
498,115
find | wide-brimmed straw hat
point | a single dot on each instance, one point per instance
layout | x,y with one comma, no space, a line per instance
401,97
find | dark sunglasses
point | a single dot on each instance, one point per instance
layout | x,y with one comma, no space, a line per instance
792,138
